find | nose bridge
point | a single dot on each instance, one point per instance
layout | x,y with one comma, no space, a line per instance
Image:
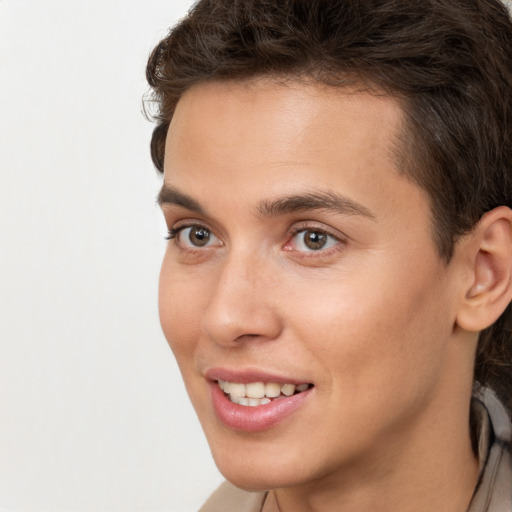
240,306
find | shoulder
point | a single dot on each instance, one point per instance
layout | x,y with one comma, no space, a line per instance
494,491
228,497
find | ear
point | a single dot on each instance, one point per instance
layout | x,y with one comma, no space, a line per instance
489,289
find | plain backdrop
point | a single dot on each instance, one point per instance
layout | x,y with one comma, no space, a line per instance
93,414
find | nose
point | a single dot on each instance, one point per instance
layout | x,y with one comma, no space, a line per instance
242,305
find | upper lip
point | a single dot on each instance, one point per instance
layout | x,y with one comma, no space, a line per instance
247,375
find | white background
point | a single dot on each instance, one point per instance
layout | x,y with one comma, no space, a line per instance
93,414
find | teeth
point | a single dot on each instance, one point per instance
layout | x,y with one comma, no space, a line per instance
288,389
252,402
235,389
255,390
272,390
253,394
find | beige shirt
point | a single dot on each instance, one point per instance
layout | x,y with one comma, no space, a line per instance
493,492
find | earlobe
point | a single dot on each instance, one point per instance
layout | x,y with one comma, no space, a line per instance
490,289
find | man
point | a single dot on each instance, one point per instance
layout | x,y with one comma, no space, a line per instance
337,282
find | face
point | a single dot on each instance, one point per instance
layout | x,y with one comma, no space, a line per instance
301,269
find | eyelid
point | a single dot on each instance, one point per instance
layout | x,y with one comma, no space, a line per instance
178,226
340,238
297,228
316,226
175,231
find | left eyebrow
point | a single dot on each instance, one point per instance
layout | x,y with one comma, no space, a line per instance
329,201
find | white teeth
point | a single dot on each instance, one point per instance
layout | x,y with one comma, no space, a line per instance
252,402
234,389
255,390
253,394
272,390
288,389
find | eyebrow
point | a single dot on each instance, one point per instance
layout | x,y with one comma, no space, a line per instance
171,196
328,201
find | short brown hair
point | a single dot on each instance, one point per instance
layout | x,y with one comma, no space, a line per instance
448,61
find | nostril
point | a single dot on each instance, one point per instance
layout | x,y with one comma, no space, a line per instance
245,337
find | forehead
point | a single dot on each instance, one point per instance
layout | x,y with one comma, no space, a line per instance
263,139
283,116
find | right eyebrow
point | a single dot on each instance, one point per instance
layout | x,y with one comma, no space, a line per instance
171,196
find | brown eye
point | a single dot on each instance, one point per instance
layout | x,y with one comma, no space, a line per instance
314,240
195,236
311,240
199,236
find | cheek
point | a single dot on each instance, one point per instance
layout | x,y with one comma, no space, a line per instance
377,329
180,309
180,312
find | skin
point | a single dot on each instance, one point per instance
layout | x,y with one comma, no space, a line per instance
371,319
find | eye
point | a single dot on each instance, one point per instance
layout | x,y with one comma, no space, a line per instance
193,237
309,240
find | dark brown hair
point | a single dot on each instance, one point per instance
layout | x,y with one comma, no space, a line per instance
449,62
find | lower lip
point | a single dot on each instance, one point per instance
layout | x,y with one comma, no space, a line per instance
258,418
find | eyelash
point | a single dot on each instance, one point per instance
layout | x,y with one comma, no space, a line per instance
323,252
174,232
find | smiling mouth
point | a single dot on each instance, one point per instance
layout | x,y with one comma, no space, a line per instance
253,394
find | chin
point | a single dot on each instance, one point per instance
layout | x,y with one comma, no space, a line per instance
249,482
257,472
250,479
